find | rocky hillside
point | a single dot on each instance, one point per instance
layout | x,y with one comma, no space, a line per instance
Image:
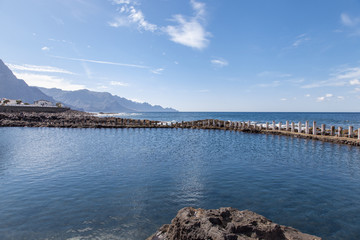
91,101
14,88
85,100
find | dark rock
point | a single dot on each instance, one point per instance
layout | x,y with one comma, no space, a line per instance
225,224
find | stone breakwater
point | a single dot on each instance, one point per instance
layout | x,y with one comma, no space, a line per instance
76,119
225,224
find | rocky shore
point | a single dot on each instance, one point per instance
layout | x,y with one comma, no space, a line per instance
77,119
225,224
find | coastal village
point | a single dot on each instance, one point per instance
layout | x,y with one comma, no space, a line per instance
19,102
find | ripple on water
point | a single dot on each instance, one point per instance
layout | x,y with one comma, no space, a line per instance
125,183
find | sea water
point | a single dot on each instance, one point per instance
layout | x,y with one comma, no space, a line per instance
126,183
343,119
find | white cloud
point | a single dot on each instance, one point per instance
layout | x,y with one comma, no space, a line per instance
354,82
119,22
283,99
60,41
352,23
45,48
122,1
274,74
341,78
299,40
341,98
327,97
189,31
157,71
349,21
219,62
307,95
116,83
136,100
103,62
102,87
134,16
326,83
47,81
204,90
348,73
272,84
37,68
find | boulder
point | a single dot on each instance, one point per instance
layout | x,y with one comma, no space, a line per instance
225,224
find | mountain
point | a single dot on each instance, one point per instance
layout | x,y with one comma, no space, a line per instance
13,88
91,101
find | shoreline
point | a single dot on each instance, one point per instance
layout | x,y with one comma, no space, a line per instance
77,119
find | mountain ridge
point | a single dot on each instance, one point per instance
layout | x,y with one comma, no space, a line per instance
92,101
13,88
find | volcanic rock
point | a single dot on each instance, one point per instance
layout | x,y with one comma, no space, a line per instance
225,224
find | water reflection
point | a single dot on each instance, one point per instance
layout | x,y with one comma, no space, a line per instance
99,183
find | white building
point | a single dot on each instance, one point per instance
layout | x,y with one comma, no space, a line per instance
43,103
10,102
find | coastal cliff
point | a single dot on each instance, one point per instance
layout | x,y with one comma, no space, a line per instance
225,224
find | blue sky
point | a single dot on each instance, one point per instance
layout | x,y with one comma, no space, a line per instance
193,55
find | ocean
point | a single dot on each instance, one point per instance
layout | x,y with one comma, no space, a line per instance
337,119
125,183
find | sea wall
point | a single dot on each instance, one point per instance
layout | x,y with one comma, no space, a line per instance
75,119
18,109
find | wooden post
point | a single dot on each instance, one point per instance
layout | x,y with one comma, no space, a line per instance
274,126
279,126
292,127
314,128
267,126
248,124
358,133
299,127
323,127
307,127
351,131
332,130
287,125
340,131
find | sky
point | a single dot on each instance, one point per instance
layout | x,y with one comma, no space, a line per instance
192,55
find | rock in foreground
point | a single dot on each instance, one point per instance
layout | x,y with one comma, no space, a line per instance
225,224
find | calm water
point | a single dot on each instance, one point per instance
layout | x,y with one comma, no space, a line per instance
336,119
125,183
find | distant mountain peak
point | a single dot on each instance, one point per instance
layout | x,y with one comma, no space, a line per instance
84,99
92,101
14,88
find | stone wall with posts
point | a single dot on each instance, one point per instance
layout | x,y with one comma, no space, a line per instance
73,119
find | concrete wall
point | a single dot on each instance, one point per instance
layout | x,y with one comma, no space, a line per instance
32,109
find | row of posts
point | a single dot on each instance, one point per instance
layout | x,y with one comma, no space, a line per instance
212,123
332,131
291,127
